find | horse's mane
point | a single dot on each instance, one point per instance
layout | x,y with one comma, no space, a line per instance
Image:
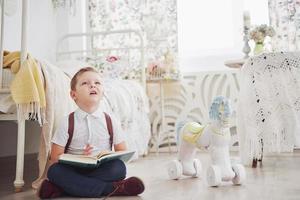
215,108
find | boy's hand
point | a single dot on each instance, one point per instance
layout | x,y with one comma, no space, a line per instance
87,150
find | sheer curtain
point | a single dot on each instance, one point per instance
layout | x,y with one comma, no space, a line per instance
156,20
285,19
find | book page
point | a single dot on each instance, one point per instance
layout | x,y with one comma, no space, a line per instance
104,153
122,155
73,156
92,161
78,158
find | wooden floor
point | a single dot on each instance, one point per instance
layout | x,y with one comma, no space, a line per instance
277,179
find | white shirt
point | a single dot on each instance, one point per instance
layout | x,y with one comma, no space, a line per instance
88,129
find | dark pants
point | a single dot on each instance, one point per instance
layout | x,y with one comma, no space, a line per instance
87,182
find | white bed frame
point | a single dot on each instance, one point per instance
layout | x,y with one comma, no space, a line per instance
19,182
90,37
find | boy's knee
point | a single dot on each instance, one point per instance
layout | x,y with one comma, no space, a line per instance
119,167
119,164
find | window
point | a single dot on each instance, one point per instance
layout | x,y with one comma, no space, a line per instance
210,32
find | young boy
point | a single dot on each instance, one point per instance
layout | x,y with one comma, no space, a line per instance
90,136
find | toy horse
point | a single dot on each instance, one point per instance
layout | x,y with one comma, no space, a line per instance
216,137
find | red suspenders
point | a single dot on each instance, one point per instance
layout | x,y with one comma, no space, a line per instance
71,129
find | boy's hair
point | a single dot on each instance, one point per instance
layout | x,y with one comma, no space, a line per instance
81,71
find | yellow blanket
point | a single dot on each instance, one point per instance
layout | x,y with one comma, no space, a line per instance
27,88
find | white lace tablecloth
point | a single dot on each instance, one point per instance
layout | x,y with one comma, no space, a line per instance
269,105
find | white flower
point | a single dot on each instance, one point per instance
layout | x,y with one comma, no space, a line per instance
259,33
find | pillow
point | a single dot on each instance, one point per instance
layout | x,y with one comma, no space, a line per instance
70,67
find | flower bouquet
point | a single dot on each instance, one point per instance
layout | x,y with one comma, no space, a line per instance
258,35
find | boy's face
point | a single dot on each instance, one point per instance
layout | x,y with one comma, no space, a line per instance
88,89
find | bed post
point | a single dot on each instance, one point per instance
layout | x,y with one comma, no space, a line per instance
19,182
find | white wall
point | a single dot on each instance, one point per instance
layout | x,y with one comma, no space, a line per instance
41,30
71,23
45,26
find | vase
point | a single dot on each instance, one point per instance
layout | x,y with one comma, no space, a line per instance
259,47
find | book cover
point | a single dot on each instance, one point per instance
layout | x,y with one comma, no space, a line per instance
95,161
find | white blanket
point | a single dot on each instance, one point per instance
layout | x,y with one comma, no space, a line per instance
269,105
127,100
58,105
7,104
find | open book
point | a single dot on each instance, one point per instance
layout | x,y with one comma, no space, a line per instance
94,161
